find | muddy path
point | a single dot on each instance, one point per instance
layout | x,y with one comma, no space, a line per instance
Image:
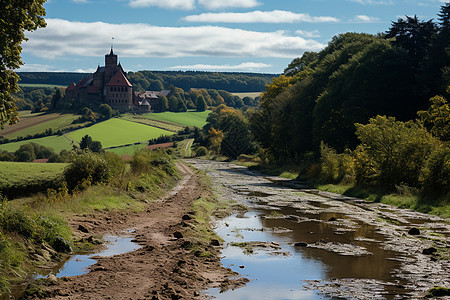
321,244
161,269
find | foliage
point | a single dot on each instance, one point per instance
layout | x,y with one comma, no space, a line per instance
201,151
87,143
86,168
356,77
437,118
396,152
335,167
16,17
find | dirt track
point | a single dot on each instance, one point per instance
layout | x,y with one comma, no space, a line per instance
161,269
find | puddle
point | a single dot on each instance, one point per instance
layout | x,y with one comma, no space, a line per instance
283,273
78,264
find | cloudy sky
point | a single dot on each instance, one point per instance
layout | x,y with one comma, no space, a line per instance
213,35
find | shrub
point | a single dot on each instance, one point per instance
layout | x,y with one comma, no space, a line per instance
86,168
201,151
392,152
436,174
147,161
335,167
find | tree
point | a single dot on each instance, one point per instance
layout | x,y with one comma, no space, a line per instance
16,17
200,103
86,141
437,118
164,103
105,110
56,98
173,103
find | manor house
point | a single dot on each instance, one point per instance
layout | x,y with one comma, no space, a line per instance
110,85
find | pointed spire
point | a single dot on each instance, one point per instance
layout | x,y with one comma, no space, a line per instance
111,53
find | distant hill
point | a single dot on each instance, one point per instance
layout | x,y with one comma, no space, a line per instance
154,80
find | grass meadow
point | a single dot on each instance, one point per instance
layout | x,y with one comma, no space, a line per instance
41,85
56,142
30,125
13,173
189,118
116,132
127,150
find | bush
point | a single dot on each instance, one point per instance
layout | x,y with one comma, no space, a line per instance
436,174
392,152
201,151
86,168
335,167
146,161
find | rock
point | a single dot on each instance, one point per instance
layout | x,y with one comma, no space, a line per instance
83,229
429,251
215,242
300,244
52,278
186,217
332,219
187,245
414,231
178,235
241,266
62,245
196,294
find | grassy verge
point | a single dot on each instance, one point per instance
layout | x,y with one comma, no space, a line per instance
34,231
199,232
430,205
19,179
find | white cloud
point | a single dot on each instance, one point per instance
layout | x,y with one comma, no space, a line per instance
247,66
308,34
365,19
169,4
220,4
62,38
276,16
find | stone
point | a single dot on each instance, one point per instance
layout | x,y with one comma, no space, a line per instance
332,219
429,251
414,231
241,266
186,217
300,244
62,245
178,235
215,242
83,229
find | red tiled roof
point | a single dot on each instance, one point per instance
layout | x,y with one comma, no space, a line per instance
119,79
41,160
71,87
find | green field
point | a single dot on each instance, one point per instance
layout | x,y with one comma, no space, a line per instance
190,118
56,142
41,85
154,123
61,122
18,173
116,132
250,94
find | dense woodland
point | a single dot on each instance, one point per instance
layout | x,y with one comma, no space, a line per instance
372,109
158,80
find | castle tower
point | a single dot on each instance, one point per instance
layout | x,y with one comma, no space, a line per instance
110,65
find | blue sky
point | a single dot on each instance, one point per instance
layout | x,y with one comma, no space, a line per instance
212,35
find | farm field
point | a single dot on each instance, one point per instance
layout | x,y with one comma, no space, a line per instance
154,123
18,173
116,132
248,94
41,85
33,124
189,118
56,142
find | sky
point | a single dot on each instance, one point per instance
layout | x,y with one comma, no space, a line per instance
261,36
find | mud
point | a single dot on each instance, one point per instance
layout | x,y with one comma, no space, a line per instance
162,268
364,249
